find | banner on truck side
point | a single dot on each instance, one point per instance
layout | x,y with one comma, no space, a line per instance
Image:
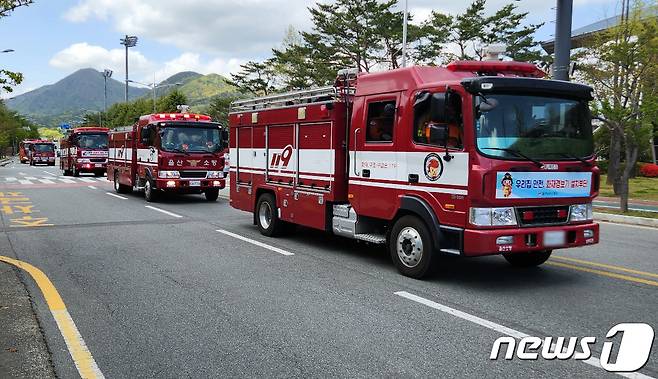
540,185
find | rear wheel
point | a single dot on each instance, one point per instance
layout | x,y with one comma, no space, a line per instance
150,192
118,187
411,247
267,216
212,194
528,259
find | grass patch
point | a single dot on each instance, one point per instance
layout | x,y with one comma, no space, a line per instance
629,213
640,188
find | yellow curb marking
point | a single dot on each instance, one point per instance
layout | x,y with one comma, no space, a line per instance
605,273
84,361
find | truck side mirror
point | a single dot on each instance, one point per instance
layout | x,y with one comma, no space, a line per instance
438,108
225,137
438,134
145,135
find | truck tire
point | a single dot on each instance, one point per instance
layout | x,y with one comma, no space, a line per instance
267,216
212,194
118,187
411,247
151,194
528,259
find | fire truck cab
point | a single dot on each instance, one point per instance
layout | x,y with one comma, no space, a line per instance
172,152
472,159
41,152
84,150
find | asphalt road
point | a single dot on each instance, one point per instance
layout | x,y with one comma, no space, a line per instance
164,295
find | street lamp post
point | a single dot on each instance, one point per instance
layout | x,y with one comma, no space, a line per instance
106,75
153,87
404,33
128,41
563,39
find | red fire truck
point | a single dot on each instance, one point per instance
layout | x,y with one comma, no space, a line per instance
41,152
173,152
24,150
84,150
472,159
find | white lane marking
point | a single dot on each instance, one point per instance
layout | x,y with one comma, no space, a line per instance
69,181
627,225
257,243
92,187
22,173
164,211
46,181
631,208
102,179
87,180
11,179
25,182
30,178
117,196
49,173
592,361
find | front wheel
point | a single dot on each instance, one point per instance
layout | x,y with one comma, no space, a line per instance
212,194
267,216
150,192
528,259
411,247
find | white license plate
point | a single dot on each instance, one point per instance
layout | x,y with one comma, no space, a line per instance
98,165
195,183
555,238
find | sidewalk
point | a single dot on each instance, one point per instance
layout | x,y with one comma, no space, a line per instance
633,204
23,351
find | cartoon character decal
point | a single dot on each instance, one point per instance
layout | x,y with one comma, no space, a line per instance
507,185
433,167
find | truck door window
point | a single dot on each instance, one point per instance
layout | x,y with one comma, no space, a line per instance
381,119
422,122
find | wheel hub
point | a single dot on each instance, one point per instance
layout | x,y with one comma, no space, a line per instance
409,246
265,215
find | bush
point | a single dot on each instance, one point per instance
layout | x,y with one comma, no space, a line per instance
603,166
649,170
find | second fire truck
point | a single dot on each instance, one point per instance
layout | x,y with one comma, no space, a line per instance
84,150
41,152
472,159
172,152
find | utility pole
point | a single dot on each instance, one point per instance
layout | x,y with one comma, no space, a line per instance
106,75
128,41
404,33
563,40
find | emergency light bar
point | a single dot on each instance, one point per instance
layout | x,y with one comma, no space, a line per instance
182,116
521,68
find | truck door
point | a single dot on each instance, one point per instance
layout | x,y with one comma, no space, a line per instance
374,160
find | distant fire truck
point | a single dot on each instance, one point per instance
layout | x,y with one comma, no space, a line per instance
41,152
24,150
472,159
172,152
84,150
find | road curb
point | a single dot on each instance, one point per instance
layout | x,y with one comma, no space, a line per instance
620,219
4,163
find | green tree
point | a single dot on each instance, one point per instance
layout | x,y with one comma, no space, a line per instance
256,78
169,103
10,79
13,129
219,108
622,64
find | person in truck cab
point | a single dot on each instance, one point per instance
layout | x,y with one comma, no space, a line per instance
183,139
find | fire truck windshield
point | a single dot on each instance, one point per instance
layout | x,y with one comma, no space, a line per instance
533,127
190,139
93,141
44,147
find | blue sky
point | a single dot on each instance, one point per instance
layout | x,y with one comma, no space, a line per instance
53,38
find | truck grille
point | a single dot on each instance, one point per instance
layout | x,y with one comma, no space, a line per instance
193,174
543,215
97,160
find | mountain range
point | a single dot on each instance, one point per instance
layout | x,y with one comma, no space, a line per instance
82,92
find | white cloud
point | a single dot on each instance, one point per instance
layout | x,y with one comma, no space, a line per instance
84,55
242,28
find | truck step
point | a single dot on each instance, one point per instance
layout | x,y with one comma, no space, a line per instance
372,238
451,251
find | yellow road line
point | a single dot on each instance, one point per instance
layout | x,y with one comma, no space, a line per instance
611,267
605,273
84,361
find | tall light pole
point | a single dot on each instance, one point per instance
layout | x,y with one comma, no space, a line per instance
404,33
106,75
563,39
153,87
128,41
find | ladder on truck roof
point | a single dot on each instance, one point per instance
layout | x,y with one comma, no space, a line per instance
286,100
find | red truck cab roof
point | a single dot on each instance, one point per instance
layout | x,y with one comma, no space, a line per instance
90,129
164,117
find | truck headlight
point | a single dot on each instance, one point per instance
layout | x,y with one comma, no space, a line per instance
581,212
169,174
493,216
215,175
